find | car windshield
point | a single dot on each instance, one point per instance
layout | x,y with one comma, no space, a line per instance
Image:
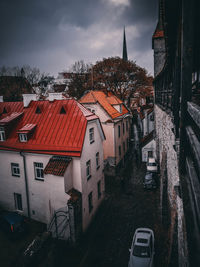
151,164
141,251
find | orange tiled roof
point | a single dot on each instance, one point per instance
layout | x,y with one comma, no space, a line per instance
107,102
57,165
158,34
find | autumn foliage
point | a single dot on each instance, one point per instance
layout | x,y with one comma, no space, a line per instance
111,74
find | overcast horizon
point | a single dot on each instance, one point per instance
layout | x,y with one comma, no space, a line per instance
53,35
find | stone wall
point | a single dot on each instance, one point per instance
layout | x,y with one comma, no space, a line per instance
170,179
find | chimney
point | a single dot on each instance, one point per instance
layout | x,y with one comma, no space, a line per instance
55,96
1,98
27,98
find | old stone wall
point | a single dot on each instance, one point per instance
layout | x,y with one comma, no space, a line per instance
170,179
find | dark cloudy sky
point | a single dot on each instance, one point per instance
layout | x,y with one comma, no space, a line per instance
53,34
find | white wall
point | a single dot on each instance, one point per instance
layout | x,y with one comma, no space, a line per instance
44,196
148,124
151,146
89,153
10,184
112,142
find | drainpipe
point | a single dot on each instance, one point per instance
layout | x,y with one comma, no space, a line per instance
26,182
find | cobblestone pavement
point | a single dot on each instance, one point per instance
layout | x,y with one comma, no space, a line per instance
126,208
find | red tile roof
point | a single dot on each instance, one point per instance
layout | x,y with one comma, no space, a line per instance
10,118
29,127
56,134
158,34
57,165
107,102
9,107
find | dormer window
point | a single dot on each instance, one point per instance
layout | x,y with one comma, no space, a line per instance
4,110
120,108
2,134
26,132
62,110
23,137
38,110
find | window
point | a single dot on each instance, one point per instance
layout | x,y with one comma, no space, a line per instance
127,126
23,137
150,154
124,147
119,130
88,169
90,205
97,160
152,117
99,189
62,110
120,108
2,134
15,169
18,201
123,128
39,175
91,135
127,143
120,152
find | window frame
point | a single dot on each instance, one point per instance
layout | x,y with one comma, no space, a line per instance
127,125
119,131
97,161
2,134
124,147
120,151
90,202
23,137
14,167
88,169
99,189
41,171
91,135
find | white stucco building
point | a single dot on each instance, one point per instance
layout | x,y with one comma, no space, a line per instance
115,119
51,157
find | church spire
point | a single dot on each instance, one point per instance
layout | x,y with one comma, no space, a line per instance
124,55
160,15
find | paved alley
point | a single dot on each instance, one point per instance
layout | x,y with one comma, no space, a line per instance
126,208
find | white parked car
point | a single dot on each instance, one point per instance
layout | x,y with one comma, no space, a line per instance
152,165
142,248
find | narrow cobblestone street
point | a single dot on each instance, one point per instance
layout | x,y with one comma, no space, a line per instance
126,208
130,207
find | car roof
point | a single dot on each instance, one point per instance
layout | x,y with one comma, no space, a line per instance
144,233
12,217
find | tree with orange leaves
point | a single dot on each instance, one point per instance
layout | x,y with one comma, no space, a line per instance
116,75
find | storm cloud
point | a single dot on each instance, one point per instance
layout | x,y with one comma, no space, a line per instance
52,35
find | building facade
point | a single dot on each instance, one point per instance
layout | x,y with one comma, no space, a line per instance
51,155
116,122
